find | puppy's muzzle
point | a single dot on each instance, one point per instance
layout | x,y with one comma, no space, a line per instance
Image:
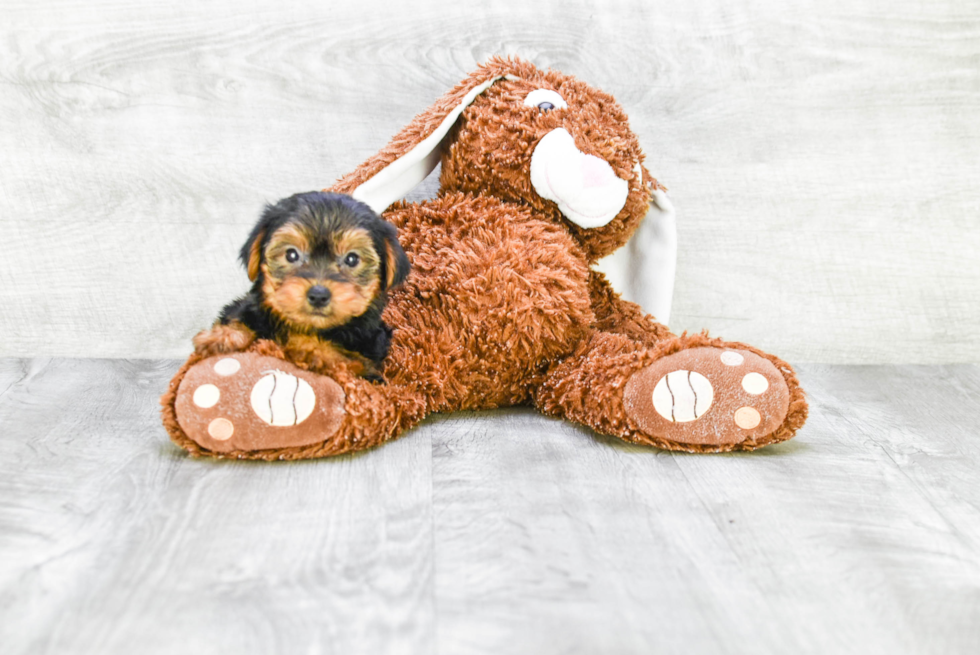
318,296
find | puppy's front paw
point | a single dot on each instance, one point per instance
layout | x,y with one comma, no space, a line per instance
223,339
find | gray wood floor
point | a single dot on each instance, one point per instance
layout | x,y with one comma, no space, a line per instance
501,532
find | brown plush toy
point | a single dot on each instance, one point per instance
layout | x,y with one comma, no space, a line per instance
541,177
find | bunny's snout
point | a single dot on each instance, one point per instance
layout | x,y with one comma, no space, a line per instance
586,189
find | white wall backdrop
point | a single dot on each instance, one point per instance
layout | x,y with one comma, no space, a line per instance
824,157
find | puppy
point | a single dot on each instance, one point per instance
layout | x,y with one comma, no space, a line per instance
321,266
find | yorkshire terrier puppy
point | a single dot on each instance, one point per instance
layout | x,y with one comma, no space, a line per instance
321,266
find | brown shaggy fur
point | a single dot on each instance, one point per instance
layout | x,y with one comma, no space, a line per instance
501,307
325,357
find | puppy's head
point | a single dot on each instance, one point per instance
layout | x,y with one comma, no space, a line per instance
321,259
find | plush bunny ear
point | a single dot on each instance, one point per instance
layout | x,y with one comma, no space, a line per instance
415,151
402,175
644,270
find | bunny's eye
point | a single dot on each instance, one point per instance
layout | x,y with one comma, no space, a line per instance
545,100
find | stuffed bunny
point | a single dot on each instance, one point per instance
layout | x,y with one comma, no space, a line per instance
541,176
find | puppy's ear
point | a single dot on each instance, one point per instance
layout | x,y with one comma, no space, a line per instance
396,262
251,252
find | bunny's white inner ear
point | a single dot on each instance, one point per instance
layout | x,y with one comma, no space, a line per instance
644,270
399,177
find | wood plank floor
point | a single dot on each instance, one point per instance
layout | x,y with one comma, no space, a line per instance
499,532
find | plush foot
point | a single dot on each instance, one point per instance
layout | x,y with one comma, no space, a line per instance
245,402
708,396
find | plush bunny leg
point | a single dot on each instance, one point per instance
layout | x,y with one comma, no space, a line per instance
255,405
690,393
618,316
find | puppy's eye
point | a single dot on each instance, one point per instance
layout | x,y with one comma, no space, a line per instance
292,255
352,259
545,100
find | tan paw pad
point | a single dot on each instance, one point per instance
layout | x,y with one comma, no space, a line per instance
731,358
227,366
253,402
682,396
206,396
282,399
708,396
747,417
755,383
221,429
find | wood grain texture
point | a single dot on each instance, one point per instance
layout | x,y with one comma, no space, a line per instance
858,536
823,157
499,532
113,541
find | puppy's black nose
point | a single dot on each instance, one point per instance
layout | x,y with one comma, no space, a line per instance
318,296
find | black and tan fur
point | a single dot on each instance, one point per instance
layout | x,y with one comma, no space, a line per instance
321,265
